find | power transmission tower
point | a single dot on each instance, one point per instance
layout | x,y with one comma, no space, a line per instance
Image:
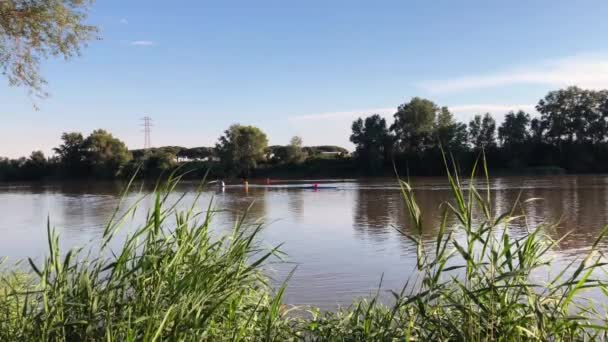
147,124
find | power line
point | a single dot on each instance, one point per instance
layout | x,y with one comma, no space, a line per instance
147,124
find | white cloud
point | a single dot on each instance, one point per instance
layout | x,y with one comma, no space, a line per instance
588,71
142,43
124,21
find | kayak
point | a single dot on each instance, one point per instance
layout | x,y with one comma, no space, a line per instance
311,187
306,187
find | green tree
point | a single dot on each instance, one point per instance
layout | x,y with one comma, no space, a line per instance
514,129
31,30
574,114
450,134
276,154
372,140
104,154
414,124
475,131
482,131
241,148
71,153
158,161
173,150
598,117
37,158
537,130
35,167
295,153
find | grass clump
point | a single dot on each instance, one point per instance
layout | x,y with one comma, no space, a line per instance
171,280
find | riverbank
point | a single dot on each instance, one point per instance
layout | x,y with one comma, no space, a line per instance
334,167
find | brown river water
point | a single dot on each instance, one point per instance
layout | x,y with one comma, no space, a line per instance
343,239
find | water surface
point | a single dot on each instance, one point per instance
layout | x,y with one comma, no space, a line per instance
343,240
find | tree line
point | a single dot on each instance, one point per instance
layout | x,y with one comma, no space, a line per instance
569,135
240,152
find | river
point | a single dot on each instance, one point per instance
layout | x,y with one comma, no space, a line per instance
343,240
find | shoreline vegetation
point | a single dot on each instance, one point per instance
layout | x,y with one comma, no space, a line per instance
569,136
174,280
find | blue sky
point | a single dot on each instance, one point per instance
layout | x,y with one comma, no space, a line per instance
303,68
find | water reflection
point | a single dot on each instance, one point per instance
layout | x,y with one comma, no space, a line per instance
373,214
295,204
235,203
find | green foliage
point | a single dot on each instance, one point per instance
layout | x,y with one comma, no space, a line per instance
451,135
31,30
421,125
100,155
295,154
10,169
36,166
414,124
575,114
241,148
482,131
71,152
537,130
373,142
105,154
172,150
277,154
514,129
158,161
37,158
